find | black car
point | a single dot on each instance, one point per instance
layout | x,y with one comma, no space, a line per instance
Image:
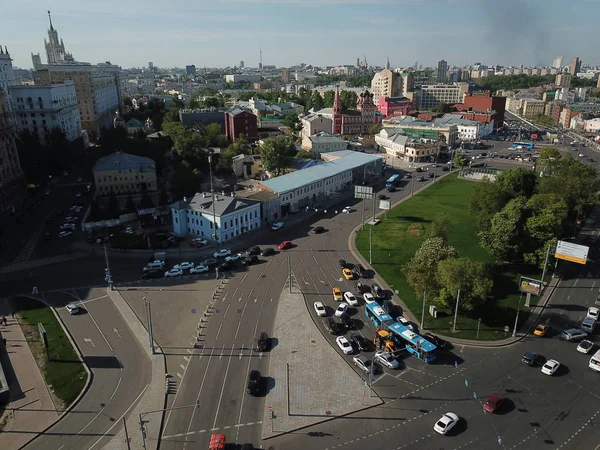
529,358
249,260
419,169
318,230
342,263
347,322
430,174
227,265
421,178
267,251
377,291
253,251
210,262
332,326
382,197
445,168
359,270
261,344
360,342
254,379
439,342
361,288
151,274
391,189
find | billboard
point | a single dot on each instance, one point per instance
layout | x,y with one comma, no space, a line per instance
571,252
385,204
363,192
530,286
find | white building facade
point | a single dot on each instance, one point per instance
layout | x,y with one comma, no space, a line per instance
432,95
315,123
223,220
323,143
39,109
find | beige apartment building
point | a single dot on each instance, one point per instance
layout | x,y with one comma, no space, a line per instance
532,108
386,84
122,174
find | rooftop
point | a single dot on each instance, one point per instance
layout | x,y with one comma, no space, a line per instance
340,162
324,138
124,161
224,204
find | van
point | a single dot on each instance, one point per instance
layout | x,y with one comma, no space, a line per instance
588,324
595,361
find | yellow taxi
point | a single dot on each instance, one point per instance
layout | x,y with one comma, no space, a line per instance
337,294
348,275
541,329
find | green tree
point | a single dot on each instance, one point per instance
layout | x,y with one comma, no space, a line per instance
442,108
548,161
375,129
292,121
58,148
440,227
545,121
302,154
317,101
33,158
146,201
214,135
188,144
113,210
172,115
487,200
328,99
517,182
468,276
177,102
349,100
549,213
277,153
185,181
129,205
507,237
421,270
460,160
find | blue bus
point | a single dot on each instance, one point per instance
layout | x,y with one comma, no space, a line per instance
413,342
378,316
527,145
392,181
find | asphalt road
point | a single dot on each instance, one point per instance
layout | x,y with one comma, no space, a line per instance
120,372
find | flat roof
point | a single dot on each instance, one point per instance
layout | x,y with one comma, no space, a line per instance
346,160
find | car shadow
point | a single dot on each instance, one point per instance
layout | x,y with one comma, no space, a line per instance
273,342
561,371
506,407
459,428
268,384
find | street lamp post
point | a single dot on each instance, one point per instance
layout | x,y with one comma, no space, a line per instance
514,333
212,192
149,322
423,310
108,274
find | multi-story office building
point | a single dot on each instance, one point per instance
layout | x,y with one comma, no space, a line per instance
432,95
483,107
575,66
12,182
532,107
122,174
39,109
442,71
242,78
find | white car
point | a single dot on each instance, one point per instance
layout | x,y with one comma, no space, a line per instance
68,226
320,309
233,257
63,234
341,309
404,321
581,155
446,423
585,346
71,219
78,195
221,253
184,266
199,269
277,226
199,241
350,299
347,209
72,308
344,345
386,359
593,312
363,363
369,298
550,367
173,273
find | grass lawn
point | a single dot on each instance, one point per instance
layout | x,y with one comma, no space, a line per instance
64,373
397,238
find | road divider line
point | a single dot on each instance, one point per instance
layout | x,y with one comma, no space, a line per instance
116,389
223,386
237,330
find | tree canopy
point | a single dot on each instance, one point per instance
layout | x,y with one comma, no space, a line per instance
471,277
277,153
421,270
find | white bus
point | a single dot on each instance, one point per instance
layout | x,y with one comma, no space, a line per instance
595,361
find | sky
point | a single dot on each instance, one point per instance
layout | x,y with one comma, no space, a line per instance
221,33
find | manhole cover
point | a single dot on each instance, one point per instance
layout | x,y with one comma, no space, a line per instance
313,341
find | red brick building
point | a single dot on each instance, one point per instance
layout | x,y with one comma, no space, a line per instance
483,107
239,121
394,106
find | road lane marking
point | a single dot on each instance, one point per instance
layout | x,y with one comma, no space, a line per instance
226,310
222,352
576,280
218,331
179,375
118,421
98,327
116,389
182,366
237,330
89,341
244,309
116,332
92,299
224,382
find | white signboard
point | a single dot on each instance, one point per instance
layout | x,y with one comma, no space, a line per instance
571,252
385,204
363,192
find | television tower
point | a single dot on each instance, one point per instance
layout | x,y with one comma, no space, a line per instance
260,59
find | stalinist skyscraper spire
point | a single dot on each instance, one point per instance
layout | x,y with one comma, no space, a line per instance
55,48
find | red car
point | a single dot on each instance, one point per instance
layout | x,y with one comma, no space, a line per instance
493,403
284,245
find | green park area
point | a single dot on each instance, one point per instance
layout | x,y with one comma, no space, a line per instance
399,235
63,371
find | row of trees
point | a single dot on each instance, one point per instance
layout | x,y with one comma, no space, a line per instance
522,81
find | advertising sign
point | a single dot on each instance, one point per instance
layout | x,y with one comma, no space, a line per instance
530,286
363,192
385,204
571,252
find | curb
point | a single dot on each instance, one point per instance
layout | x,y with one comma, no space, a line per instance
86,388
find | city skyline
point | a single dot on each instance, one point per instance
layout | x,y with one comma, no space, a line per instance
220,35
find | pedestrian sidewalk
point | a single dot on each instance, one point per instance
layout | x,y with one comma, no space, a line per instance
31,409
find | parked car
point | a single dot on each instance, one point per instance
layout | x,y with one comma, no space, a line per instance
249,260
347,209
377,291
436,340
318,230
386,359
222,253
234,257
368,297
344,345
262,343
493,403
541,329
277,226
331,326
64,234
320,309
337,294
350,298
254,380
347,273
255,250
200,268
341,309
363,363
360,342
173,273
72,309
184,266
446,423
573,334
359,270
529,358
550,367
210,262
585,346
347,322
361,288
226,266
